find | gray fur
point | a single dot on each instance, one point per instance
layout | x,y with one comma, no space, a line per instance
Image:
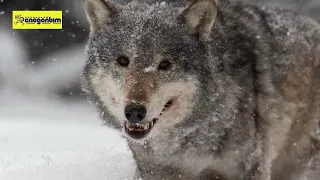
256,113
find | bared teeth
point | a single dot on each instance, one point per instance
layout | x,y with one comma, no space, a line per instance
138,130
137,127
127,125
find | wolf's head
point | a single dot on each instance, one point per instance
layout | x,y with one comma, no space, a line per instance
146,62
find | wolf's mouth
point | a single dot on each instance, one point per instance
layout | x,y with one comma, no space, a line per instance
140,130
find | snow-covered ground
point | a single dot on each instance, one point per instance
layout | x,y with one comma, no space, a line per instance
44,138
47,139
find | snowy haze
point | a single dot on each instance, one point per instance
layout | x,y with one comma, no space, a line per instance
43,137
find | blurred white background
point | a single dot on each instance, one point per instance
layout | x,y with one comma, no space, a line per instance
44,135
47,128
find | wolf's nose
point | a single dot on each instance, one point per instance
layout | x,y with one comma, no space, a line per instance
134,112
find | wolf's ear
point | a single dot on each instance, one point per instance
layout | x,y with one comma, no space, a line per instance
99,12
199,17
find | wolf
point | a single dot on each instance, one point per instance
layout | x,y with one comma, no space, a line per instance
208,89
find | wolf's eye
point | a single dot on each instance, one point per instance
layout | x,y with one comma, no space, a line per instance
164,65
123,61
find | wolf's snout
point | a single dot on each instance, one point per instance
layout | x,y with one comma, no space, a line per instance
135,112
